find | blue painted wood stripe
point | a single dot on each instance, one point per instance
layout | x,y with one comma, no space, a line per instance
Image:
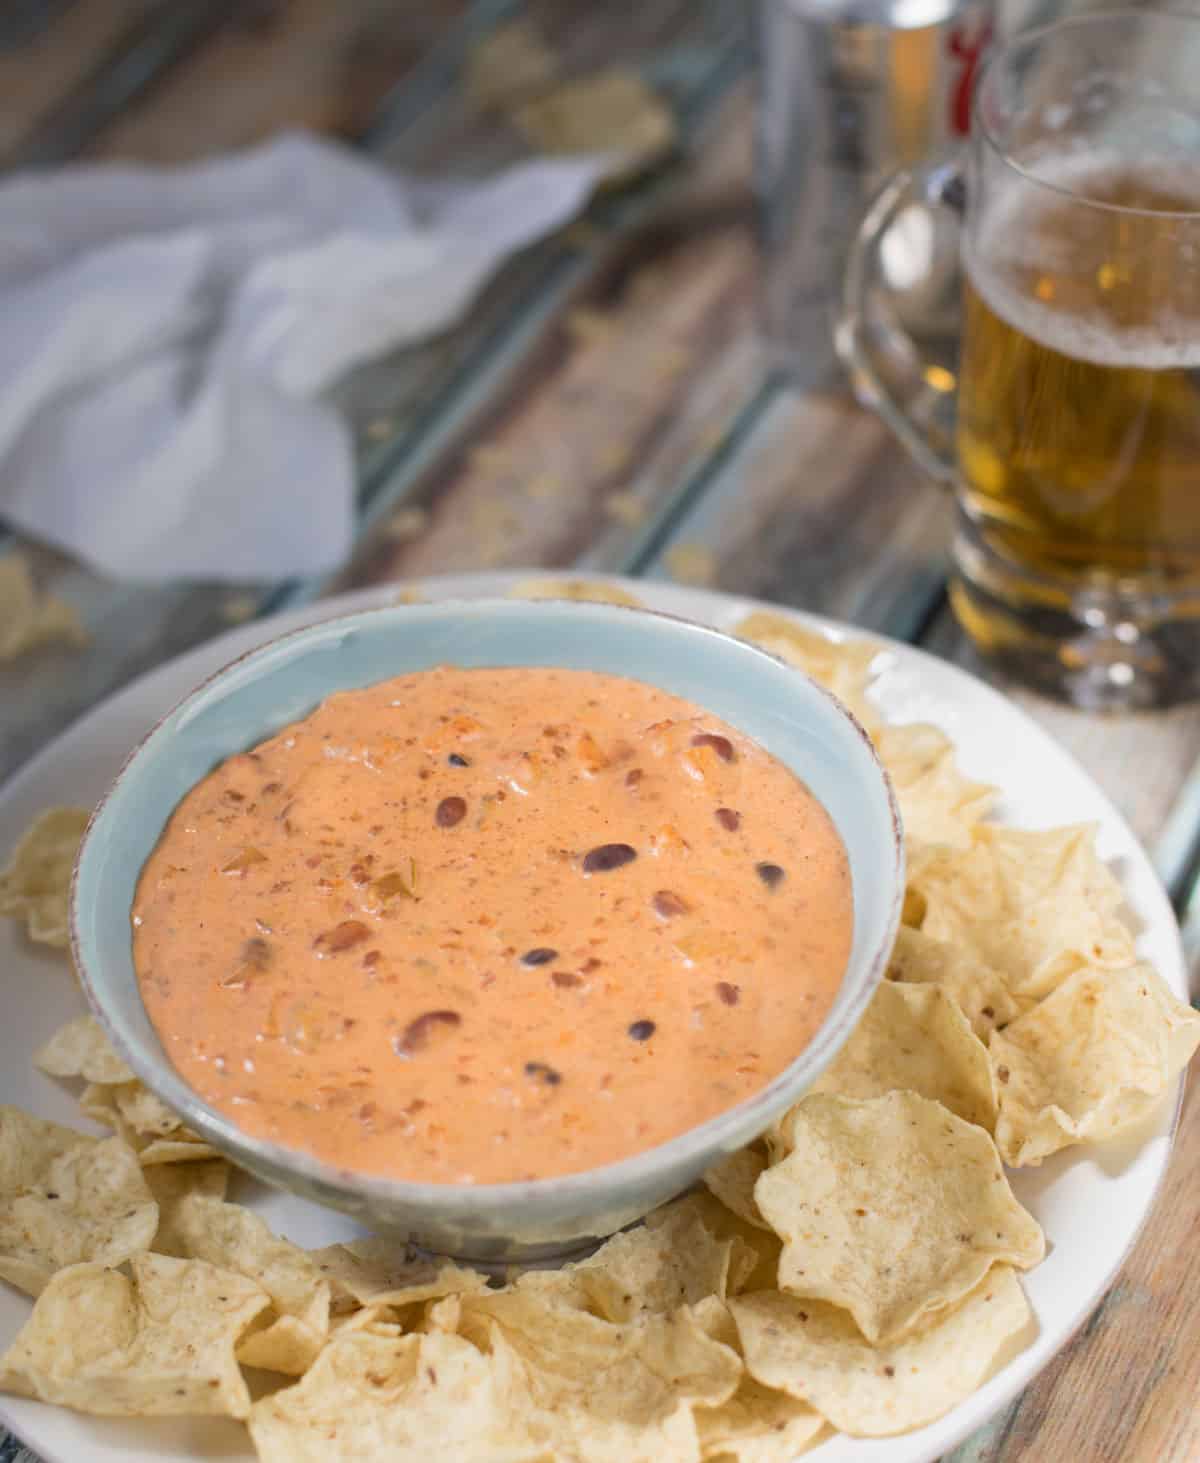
434,75
22,21
139,58
1177,849
663,527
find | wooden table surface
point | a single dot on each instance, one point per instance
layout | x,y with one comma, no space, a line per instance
605,406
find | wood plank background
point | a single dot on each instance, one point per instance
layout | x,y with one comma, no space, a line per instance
605,406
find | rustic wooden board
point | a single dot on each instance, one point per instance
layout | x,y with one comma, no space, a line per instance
819,509
622,397
23,21
434,124
140,57
131,628
36,77
606,406
278,64
671,44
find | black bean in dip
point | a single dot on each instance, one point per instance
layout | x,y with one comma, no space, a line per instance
722,746
642,1030
257,953
418,1034
540,955
771,874
607,857
543,1073
341,937
455,760
730,820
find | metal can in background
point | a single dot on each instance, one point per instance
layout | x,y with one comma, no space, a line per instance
851,90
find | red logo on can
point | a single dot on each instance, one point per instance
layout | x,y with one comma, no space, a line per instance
967,45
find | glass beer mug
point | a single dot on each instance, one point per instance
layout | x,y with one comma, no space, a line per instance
1070,431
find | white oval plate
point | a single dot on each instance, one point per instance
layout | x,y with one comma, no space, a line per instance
1091,1202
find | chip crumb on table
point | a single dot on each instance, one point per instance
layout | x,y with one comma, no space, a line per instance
406,524
626,508
691,564
509,64
30,619
612,112
34,885
855,1269
239,608
595,590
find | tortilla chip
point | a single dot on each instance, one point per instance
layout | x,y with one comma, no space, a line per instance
145,1112
576,589
439,1315
600,1393
280,1344
1093,1058
610,112
407,1399
385,1272
35,884
732,1180
654,1271
841,666
159,1344
81,1049
937,803
814,1352
673,1259
144,1121
754,1259
1033,906
757,1424
378,1320
555,1289
918,858
978,990
171,1184
290,1336
892,1208
915,1038
66,1197
29,619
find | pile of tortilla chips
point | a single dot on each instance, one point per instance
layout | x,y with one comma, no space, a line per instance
855,1269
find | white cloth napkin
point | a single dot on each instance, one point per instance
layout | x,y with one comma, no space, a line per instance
166,331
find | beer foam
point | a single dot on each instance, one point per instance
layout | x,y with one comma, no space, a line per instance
1012,244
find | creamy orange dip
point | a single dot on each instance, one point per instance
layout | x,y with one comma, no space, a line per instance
475,926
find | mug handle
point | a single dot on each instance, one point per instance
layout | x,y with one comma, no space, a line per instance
939,185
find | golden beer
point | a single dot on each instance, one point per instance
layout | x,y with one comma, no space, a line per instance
1079,391
1075,451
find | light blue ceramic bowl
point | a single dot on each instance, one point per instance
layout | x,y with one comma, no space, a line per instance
254,697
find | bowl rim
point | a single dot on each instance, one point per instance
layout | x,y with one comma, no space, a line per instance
477,1201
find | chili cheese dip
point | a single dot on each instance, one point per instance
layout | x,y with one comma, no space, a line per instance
479,926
